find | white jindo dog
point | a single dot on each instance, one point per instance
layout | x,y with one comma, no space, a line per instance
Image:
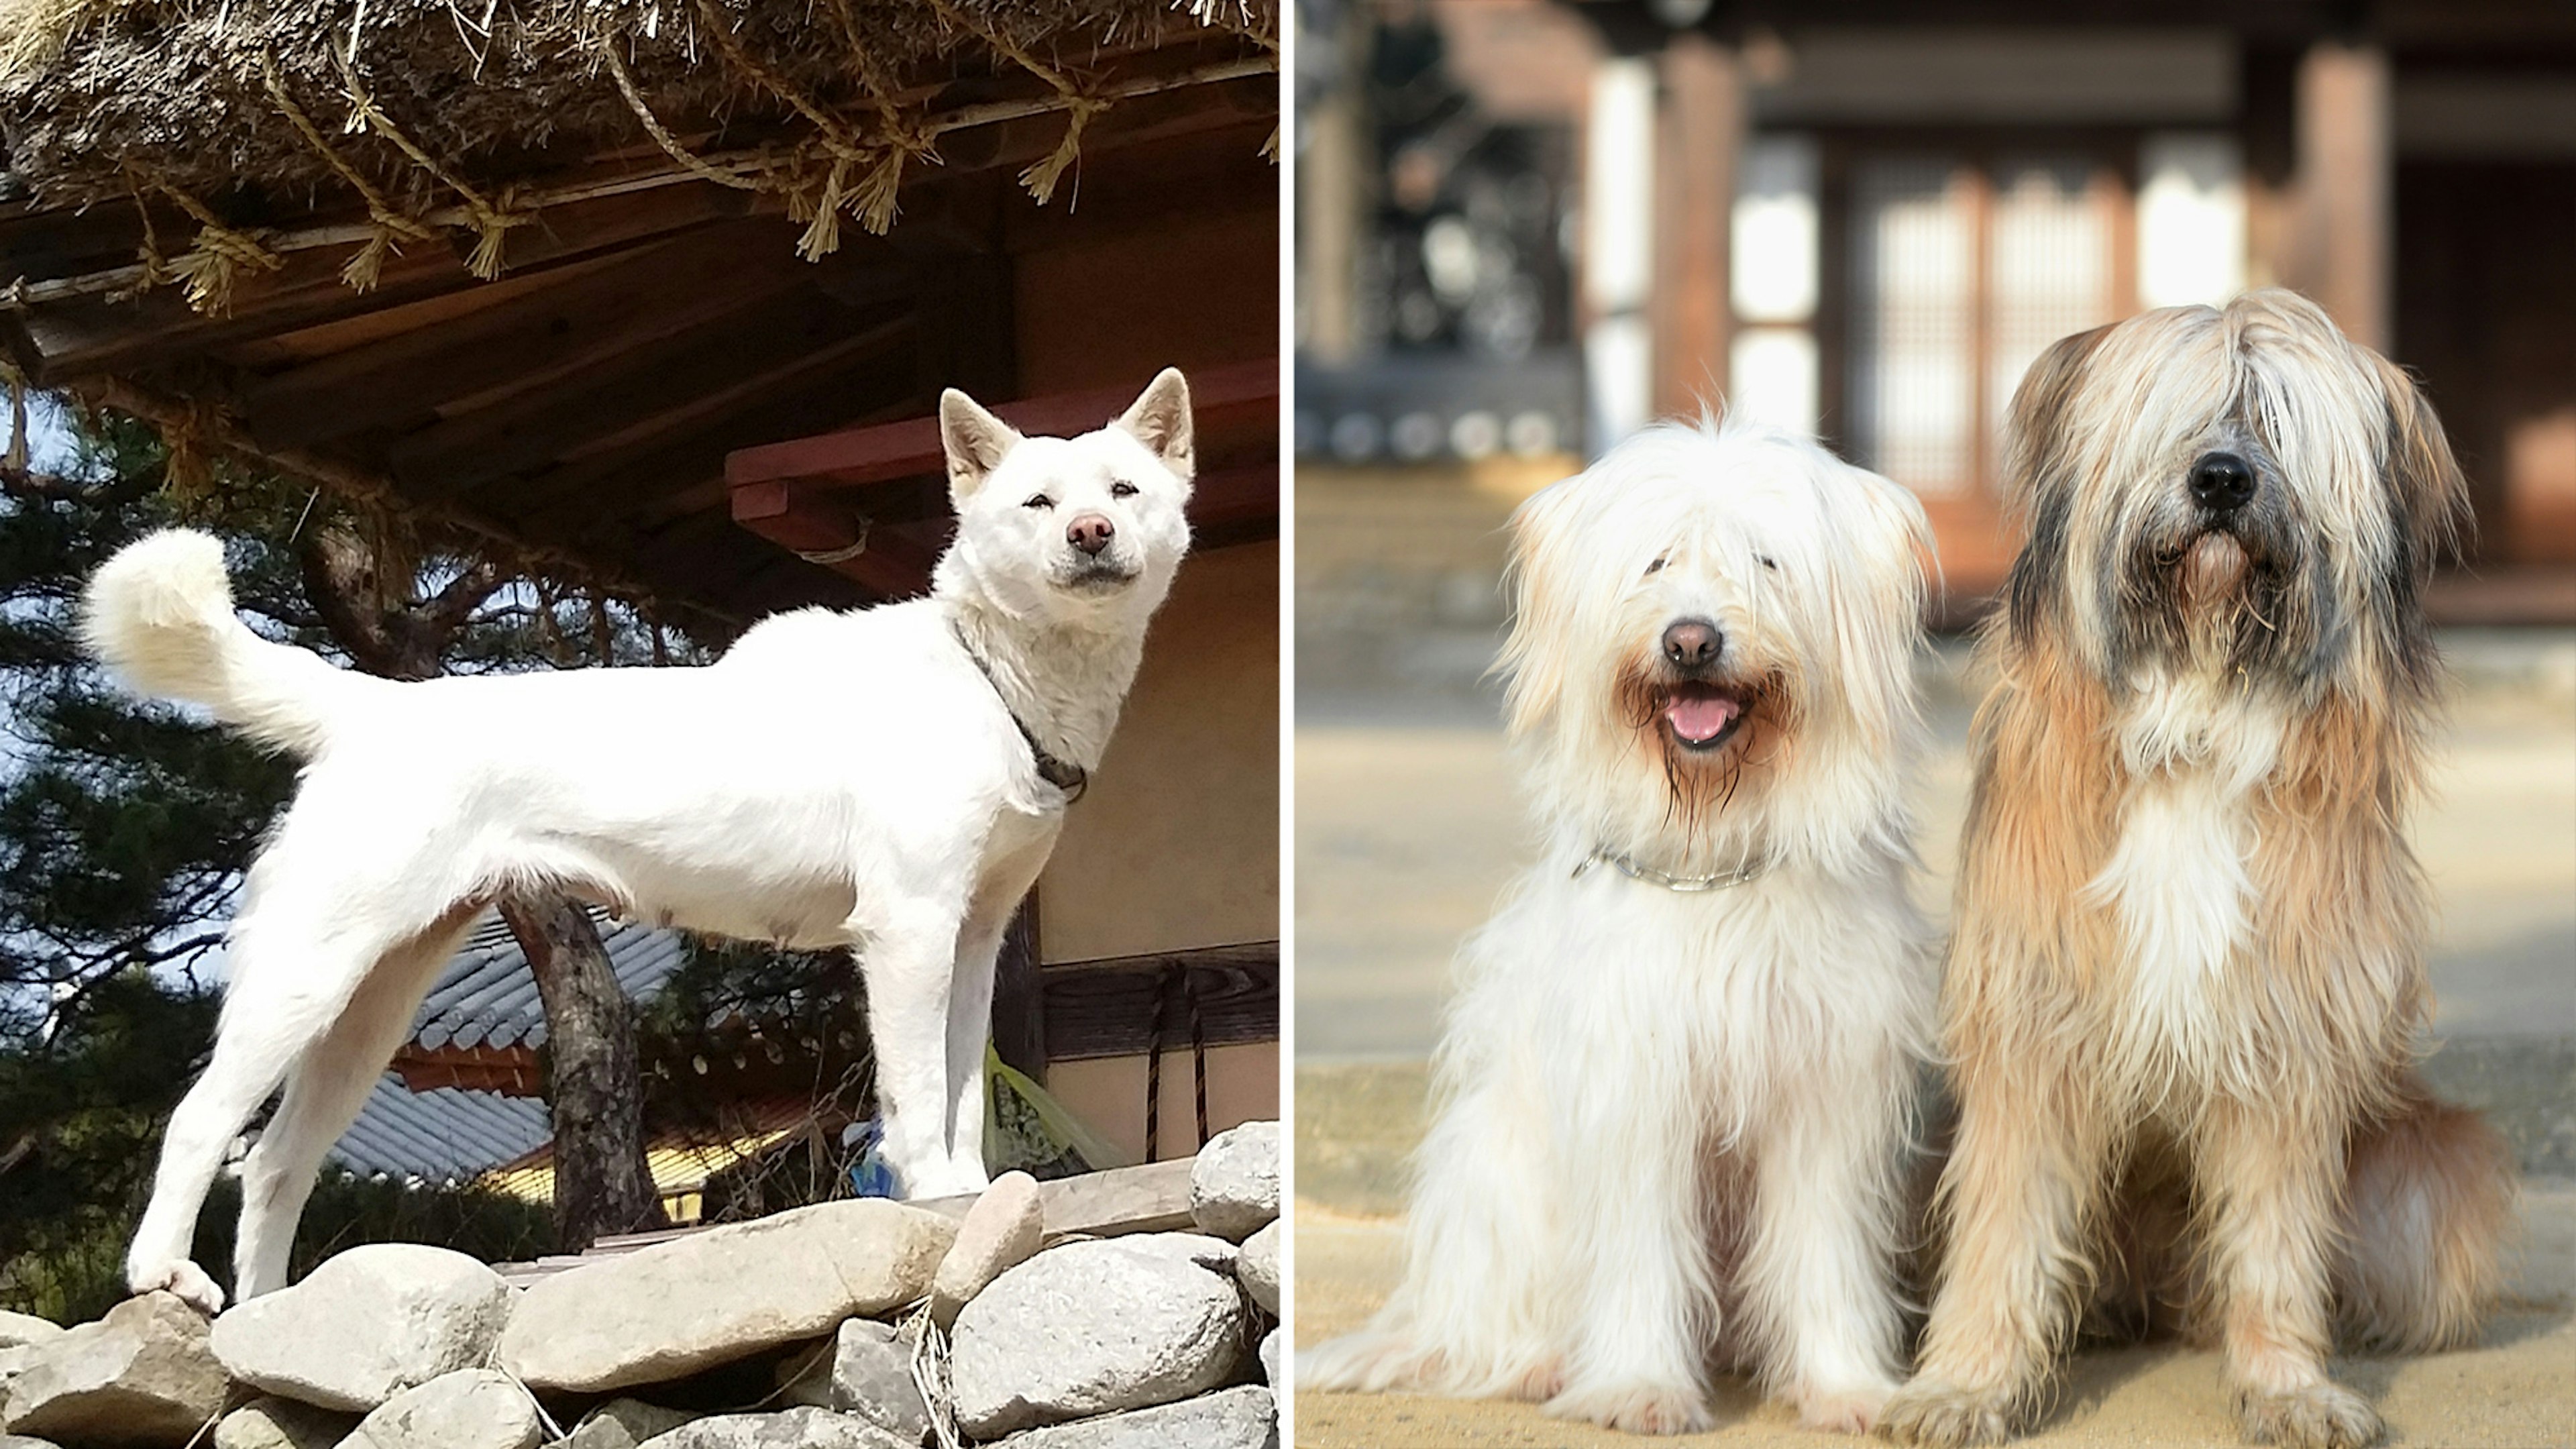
1674,1091
915,764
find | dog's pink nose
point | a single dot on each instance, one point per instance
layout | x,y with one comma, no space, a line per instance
1091,533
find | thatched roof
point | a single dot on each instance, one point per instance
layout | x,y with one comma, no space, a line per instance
412,116
533,271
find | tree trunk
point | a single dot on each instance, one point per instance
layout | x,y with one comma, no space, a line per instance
601,1182
597,1092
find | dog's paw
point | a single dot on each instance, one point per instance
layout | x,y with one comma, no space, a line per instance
1635,1408
2320,1416
1844,1409
1539,1382
183,1278
1933,1415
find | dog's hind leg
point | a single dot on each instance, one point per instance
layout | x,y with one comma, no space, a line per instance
1475,1314
329,1082
293,966
1817,1278
2428,1198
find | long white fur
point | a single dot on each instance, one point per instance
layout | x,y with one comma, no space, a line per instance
835,779
1615,1049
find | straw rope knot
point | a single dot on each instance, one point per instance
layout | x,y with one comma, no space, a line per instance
391,227
215,258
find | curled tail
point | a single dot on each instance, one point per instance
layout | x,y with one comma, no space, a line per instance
160,614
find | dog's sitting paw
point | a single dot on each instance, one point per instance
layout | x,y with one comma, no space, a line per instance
1539,1382
1635,1408
1845,1409
2320,1416
1934,1415
183,1278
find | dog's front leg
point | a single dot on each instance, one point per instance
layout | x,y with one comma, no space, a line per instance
970,1025
1637,1254
1817,1273
2272,1174
908,959
2026,1170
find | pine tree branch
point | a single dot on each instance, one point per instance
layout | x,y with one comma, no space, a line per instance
28,485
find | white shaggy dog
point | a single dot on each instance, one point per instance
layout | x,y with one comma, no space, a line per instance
915,766
1674,1091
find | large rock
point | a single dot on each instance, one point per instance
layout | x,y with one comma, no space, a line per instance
366,1325
1092,1328
713,1297
275,1423
468,1409
799,1428
625,1423
1244,1418
140,1376
1002,1230
21,1441
867,1372
18,1328
1258,1266
1234,1185
1270,1358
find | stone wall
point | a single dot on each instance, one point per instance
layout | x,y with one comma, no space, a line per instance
847,1325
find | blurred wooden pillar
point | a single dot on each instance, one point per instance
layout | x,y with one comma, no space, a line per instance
1333,197
2343,233
1701,145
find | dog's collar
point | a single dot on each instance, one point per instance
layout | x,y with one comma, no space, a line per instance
1063,774
1751,870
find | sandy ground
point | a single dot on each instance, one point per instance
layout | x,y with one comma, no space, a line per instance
2515,1390
1408,828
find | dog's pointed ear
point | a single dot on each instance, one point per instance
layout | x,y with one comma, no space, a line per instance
1160,419
2424,480
975,441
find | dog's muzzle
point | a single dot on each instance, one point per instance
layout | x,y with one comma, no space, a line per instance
1702,711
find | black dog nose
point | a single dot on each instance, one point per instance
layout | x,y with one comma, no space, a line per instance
2221,482
1090,533
1692,643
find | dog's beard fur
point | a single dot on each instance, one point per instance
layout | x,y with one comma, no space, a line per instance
1702,780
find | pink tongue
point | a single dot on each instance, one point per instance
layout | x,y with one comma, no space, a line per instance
1702,718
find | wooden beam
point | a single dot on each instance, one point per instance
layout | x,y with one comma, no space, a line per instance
1152,1198
521,346
1697,157
715,358
1109,1008
89,335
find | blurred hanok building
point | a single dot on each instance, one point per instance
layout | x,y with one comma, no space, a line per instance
1531,225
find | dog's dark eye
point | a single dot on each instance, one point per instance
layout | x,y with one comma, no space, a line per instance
1039,500
1658,565
1122,490
1766,561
